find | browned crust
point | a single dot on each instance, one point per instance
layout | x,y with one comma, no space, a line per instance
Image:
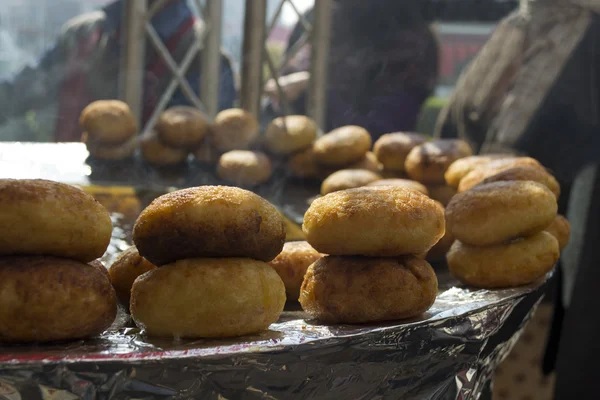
391,149
342,146
428,162
361,290
182,127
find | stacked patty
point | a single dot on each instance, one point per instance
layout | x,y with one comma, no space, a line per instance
179,131
109,130
51,287
211,245
373,236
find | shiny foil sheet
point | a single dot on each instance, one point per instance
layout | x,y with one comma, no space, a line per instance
448,353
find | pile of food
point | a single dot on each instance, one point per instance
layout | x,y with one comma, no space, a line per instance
51,287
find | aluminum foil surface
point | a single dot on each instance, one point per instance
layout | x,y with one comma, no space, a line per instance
448,353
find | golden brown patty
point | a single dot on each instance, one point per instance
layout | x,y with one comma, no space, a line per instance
182,127
560,228
428,162
209,221
478,174
405,183
504,265
304,165
100,267
496,212
47,299
244,167
208,298
525,173
461,167
50,218
124,271
110,153
360,290
391,149
374,221
441,193
291,265
342,146
286,135
347,179
108,122
368,162
234,129
156,153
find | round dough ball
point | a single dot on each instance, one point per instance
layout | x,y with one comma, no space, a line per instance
304,165
244,167
525,173
428,162
286,135
478,174
347,179
109,122
124,271
560,228
208,298
374,222
234,129
342,146
46,299
291,265
182,127
50,218
441,193
405,183
368,162
156,153
110,153
504,265
360,290
461,167
496,212
391,149
209,221
100,267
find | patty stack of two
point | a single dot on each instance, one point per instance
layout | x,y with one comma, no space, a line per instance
51,289
110,130
211,245
375,238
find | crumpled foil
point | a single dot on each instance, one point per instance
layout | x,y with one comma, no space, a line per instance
450,352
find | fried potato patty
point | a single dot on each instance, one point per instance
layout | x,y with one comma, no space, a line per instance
392,149
49,218
504,265
234,129
428,162
157,153
347,179
109,122
342,146
374,221
209,221
483,171
361,290
208,298
461,167
496,212
522,173
398,182
560,228
286,135
125,270
244,167
182,127
47,299
291,265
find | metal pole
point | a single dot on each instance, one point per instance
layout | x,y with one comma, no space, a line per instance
252,55
321,36
211,57
133,50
